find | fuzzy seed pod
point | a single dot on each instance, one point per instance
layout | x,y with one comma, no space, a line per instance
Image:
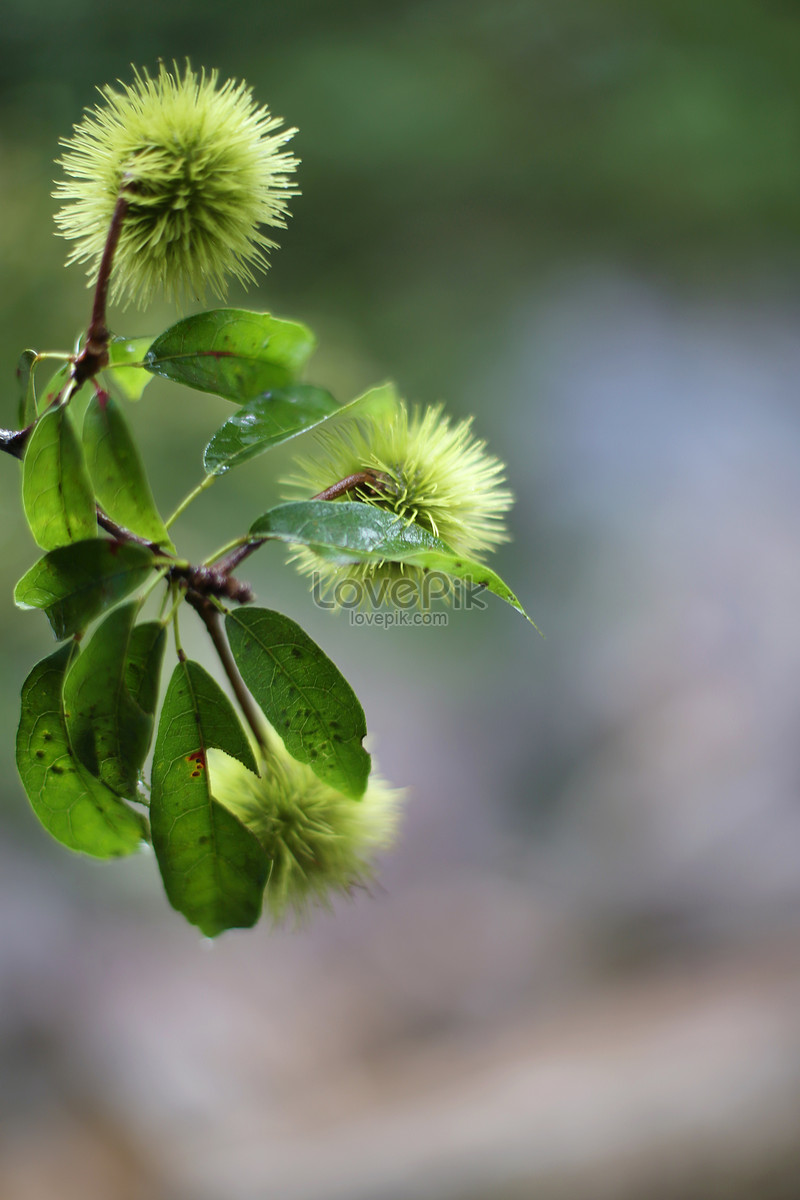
320,842
425,470
202,169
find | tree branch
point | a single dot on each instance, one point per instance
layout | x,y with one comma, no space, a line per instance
121,534
94,354
14,441
210,617
350,483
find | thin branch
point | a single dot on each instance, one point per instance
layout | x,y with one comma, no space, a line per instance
203,581
349,484
210,617
93,357
94,354
231,561
14,441
121,534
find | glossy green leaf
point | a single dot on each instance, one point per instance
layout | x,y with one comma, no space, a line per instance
109,730
303,695
143,665
214,869
126,368
266,421
279,415
348,531
231,352
77,809
27,392
56,491
117,473
74,584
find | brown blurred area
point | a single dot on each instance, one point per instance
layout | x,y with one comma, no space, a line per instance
578,977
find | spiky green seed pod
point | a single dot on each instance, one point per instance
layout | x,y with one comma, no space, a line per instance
320,842
202,169
426,469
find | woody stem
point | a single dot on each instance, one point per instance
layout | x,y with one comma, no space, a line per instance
210,617
94,354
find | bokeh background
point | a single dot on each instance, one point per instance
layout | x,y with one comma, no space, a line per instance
579,976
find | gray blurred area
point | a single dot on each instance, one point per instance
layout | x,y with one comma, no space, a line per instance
578,976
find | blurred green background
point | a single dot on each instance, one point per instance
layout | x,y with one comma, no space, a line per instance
579,975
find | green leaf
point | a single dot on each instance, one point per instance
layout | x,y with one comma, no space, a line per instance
78,810
55,386
348,531
281,414
74,584
109,730
266,421
303,695
56,490
117,473
231,352
214,869
126,365
27,392
143,665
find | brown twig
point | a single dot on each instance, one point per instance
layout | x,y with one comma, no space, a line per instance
213,581
231,561
121,534
203,581
210,617
93,356
14,441
349,484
